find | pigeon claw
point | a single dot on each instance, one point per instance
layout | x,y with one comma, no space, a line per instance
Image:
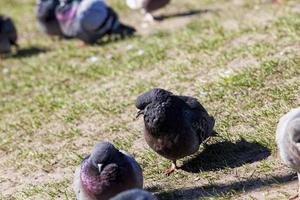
172,169
294,197
149,18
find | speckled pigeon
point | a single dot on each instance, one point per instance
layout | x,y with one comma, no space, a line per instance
288,141
8,34
147,6
105,173
89,20
134,194
45,14
175,126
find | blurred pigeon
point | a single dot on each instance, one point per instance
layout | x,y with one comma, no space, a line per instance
147,6
45,14
134,194
175,126
105,173
89,20
288,141
8,34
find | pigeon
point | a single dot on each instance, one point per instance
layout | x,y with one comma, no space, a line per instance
8,34
175,126
147,6
288,141
90,20
45,14
105,173
134,194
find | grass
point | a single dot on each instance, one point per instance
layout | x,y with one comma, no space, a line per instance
241,61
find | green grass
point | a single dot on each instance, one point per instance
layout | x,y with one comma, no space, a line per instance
56,103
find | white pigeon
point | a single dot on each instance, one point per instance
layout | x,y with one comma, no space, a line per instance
288,141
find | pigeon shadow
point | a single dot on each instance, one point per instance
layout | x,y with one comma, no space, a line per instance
211,190
226,154
182,14
111,39
27,52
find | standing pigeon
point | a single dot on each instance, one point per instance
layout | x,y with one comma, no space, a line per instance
175,126
134,194
8,34
89,20
288,141
45,14
105,173
147,6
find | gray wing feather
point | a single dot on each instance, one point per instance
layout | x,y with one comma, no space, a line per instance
137,169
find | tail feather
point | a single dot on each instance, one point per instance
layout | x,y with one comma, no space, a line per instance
124,30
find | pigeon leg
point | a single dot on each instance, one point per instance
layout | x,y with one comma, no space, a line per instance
172,168
296,196
81,44
149,18
17,47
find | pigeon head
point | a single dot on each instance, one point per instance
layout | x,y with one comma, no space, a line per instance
152,96
46,9
134,194
102,154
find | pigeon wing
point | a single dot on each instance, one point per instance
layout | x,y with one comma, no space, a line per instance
201,121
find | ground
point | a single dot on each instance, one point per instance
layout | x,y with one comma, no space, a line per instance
241,59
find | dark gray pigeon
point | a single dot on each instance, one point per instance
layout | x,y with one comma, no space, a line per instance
45,14
8,34
134,194
147,6
105,173
90,20
288,141
175,126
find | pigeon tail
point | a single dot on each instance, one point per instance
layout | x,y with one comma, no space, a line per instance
124,30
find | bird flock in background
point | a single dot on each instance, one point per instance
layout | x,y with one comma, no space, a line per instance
174,126
86,20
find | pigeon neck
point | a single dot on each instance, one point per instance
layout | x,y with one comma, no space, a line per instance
67,12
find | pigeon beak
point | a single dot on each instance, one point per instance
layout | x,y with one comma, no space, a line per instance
100,167
141,112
